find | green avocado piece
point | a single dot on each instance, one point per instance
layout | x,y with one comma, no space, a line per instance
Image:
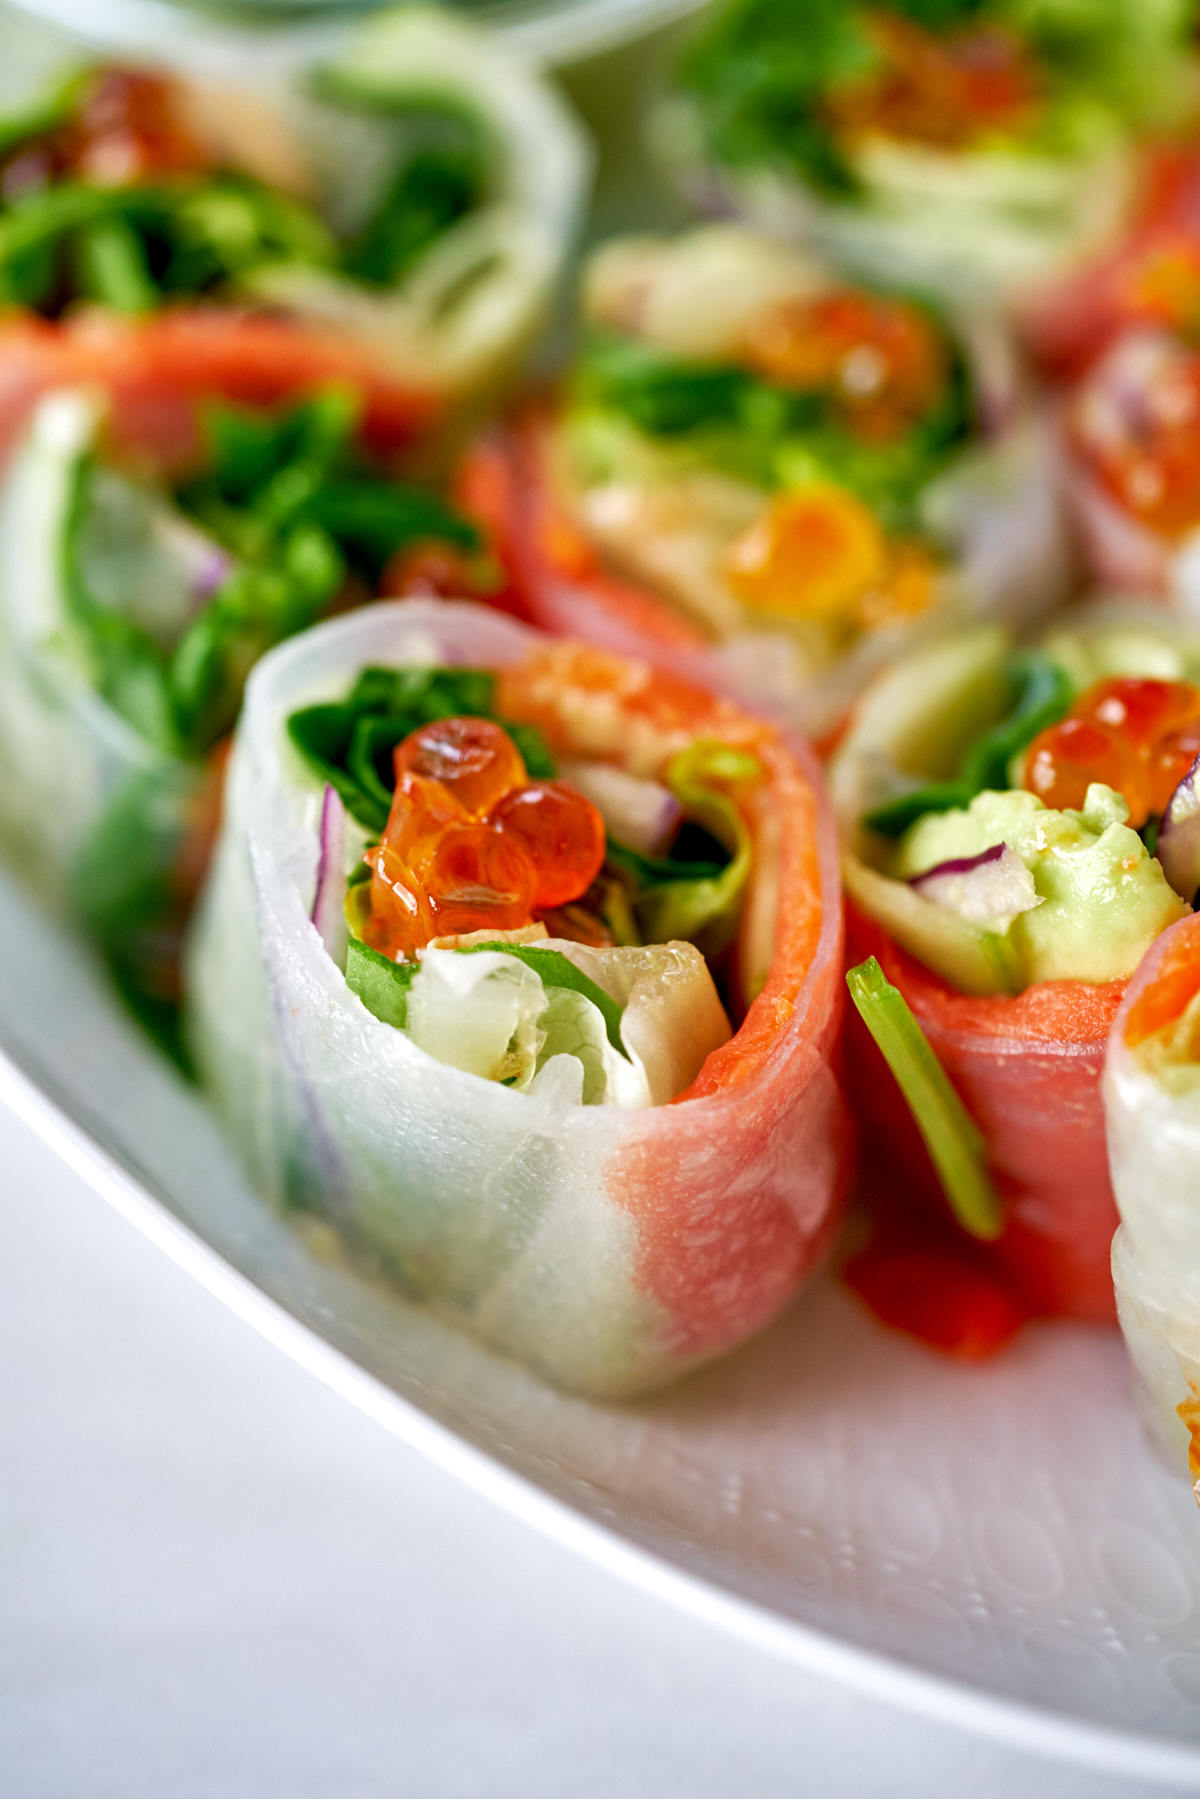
1103,898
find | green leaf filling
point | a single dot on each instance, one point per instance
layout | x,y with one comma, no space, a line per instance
556,970
350,743
954,1142
729,418
761,73
697,899
131,247
382,985
1043,692
289,514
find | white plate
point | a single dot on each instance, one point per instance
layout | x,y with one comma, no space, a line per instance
554,33
995,1546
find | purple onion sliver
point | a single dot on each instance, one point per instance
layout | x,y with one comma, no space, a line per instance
1178,847
643,815
993,887
329,900
211,573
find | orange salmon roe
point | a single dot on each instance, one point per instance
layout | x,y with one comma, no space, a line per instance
472,758
944,88
471,844
882,361
562,832
1136,735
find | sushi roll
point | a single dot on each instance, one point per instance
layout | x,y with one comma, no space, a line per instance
1001,805
520,965
987,147
767,476
135,595
1131,435
1151,1094
396,218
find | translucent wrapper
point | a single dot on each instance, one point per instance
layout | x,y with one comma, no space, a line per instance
105,824
609,1249
1121,395
436,343
984,223
998,511
1154,1151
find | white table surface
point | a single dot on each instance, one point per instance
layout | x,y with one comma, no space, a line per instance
217,1581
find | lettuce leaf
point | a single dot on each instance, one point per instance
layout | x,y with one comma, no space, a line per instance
698,903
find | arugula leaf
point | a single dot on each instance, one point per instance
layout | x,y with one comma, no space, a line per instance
284,512
1043,691
349,743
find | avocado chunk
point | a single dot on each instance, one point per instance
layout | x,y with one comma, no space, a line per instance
1103,897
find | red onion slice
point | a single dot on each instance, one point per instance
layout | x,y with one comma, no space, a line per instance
643,815
1178,848
329,901
993,887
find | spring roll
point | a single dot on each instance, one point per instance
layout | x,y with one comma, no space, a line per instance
1001,806
1035,156
773,478
396,218
1151,1095
520,966
135,595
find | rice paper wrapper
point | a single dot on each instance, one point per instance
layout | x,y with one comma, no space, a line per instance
95,817
1154,1152
610,1250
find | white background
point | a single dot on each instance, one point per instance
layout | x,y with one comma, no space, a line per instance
218,1581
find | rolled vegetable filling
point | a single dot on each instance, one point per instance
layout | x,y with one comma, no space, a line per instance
391,198
791,468
135,602
1020,832
989,139
573,888
520,965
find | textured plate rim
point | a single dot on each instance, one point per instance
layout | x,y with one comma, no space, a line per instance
878,1676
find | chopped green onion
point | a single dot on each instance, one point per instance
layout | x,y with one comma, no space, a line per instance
950,1134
